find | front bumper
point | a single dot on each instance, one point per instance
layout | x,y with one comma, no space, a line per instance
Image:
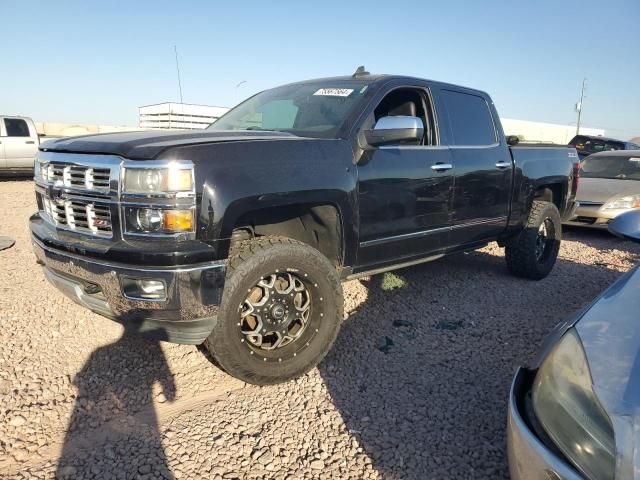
529,458
187,315
593,216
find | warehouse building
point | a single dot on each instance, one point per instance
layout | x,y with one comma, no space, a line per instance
171,115
545,132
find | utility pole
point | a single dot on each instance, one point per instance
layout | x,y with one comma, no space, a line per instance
579,105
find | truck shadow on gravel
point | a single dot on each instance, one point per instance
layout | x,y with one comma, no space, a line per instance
421,370
113,431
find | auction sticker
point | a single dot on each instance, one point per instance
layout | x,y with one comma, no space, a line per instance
334,92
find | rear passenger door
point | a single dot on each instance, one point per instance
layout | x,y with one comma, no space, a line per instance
483,168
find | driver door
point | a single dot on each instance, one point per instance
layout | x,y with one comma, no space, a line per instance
404,190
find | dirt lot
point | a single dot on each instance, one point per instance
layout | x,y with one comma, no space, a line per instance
80,400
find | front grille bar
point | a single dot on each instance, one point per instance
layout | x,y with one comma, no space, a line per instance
79,216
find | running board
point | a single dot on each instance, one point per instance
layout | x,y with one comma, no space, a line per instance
375,271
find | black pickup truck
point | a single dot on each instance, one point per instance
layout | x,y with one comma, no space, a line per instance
239,235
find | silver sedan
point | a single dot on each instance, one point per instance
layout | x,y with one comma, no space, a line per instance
575,413
609,185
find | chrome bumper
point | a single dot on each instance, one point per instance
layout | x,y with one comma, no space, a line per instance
187,315
529,458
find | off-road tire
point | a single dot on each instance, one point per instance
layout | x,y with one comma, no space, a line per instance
520,251
250,261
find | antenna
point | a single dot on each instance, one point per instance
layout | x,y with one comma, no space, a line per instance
178,70
579,104
360,71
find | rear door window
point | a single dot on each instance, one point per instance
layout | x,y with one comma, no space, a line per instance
16,127
470,119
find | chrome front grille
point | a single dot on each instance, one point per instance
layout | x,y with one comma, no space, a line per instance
85,177
79,215
78,192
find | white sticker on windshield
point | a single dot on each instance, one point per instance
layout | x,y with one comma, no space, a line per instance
634,159
334,92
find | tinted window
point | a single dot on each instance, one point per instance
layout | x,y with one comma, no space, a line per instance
16,127
470,119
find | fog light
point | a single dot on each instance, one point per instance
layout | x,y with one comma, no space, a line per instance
144,289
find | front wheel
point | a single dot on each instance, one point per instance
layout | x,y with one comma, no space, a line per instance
280,313
533,253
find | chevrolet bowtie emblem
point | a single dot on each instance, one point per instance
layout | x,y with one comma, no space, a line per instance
54,192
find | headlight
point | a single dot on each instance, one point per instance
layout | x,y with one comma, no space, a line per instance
630,201
159,220
569,411
171,179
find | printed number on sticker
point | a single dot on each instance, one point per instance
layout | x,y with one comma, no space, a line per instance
334,92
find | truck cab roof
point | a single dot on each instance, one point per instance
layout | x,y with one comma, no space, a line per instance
383,78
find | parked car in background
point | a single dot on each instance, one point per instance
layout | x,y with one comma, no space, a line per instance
609,185
587,145
575,412
19,143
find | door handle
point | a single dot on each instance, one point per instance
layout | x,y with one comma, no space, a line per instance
441,167
502,165
30,141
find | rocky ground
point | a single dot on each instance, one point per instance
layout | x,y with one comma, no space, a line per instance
415,387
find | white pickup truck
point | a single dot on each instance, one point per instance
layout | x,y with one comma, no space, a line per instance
19,143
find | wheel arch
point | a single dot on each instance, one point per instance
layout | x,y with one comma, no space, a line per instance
318,224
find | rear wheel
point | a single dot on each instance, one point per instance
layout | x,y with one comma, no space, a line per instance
533,253
280,313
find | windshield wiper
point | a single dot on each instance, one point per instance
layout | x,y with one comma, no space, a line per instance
262,129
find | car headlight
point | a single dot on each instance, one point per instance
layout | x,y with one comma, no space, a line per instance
159,220
627,202
174,178
569,411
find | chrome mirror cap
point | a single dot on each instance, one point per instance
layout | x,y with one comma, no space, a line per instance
395,130
400,122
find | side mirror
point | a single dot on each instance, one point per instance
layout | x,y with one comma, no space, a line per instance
627,225
513,140
393,130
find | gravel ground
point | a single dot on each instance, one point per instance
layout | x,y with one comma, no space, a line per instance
415,387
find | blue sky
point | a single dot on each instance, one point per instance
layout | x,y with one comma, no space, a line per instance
96,62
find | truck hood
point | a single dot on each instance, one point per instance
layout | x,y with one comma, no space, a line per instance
148,145
603,189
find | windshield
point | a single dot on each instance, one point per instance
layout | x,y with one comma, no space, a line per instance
316,109
595,145
622,168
